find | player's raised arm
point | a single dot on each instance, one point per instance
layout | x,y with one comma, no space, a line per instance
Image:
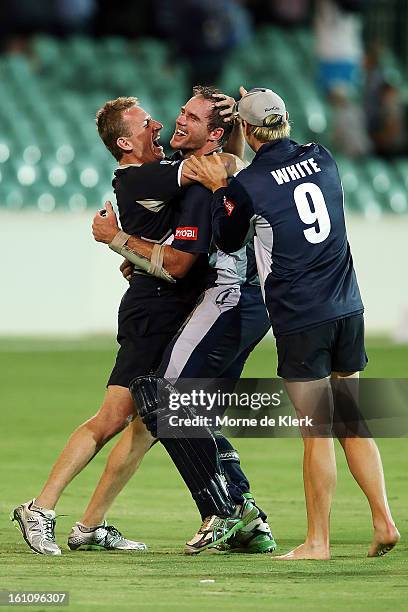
232,212
162,180
236,142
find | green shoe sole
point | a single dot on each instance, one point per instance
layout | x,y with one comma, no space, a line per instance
89,547
256,546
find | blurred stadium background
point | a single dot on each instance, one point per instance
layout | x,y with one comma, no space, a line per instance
341,65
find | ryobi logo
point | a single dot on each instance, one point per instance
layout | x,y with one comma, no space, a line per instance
186,233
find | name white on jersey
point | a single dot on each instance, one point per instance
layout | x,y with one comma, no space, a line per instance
295,172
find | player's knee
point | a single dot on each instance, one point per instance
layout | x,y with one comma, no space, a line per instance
340,375
104,427
112,428
140,434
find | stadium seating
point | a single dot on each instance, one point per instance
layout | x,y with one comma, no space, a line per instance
51,156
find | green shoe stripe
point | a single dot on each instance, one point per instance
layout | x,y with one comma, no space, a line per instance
226,536
252,514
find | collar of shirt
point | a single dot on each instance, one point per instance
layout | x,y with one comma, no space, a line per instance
278,150
178,155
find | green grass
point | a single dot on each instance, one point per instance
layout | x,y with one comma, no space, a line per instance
49,387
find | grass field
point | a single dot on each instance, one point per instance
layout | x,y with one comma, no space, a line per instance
48,387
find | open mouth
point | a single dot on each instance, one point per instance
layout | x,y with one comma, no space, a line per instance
157,148
179,133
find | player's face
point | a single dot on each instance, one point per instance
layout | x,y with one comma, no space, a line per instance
145,134
191,134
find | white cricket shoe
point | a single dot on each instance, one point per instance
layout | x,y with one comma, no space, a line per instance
101,537
38,527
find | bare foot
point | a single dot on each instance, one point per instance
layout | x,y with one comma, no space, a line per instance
306,551
384,540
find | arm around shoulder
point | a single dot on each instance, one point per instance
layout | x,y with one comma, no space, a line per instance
232,212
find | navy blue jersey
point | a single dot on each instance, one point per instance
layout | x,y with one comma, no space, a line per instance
293,195
192,228
193,234
147,196
153,206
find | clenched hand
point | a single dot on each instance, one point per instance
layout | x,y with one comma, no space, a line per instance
105,224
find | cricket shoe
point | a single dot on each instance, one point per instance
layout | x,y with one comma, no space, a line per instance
256,537
216,530
101,537
38,527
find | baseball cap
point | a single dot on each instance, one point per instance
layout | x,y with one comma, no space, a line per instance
259,103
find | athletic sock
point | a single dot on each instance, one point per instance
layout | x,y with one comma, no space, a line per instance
87,528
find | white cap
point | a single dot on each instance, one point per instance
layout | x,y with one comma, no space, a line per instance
259,103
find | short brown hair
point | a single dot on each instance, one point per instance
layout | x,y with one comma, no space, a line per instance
215,120
274,128
111,125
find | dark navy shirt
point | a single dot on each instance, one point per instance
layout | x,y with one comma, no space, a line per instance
193,234
192,228
149,199
143,194
292,194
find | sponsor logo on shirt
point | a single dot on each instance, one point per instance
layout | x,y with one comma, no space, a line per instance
186,233
229,206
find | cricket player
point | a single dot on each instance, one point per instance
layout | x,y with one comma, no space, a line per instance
292,195
230,319
150,313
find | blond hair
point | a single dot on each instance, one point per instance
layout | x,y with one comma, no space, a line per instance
111,124
269,131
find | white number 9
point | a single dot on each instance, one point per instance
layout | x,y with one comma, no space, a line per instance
320,214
